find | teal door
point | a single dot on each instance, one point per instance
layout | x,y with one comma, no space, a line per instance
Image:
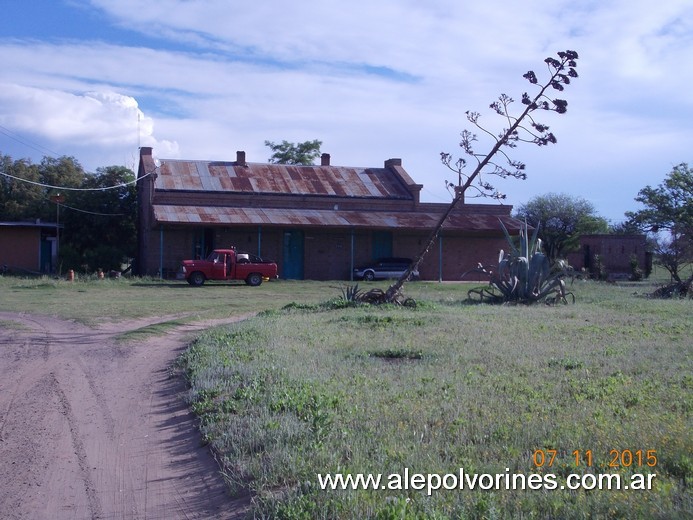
382,244
46,257
292,267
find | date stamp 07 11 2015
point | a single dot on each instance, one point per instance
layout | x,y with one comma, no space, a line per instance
546,458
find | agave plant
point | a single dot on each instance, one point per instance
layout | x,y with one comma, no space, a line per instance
524,274
352,293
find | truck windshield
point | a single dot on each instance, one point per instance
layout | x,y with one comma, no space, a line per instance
215,257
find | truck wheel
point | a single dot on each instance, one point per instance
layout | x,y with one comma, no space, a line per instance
369,276
254,279
196,278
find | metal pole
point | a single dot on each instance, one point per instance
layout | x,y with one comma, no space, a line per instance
440,257
259,241
161,252
351,262
57,198
57,237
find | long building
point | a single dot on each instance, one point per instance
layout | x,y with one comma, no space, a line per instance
317,222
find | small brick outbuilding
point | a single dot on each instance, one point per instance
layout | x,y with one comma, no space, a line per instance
28,246
317,222
614,252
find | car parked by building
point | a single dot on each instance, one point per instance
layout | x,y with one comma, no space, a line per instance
384,268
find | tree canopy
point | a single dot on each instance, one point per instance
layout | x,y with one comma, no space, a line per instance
25,188
100,224
561,219
668,213
97,211
294,153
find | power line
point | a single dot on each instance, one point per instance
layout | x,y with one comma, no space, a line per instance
91,212
66,188
26,142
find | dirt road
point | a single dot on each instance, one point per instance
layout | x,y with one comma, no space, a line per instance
94,428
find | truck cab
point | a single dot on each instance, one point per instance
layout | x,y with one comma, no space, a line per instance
228,264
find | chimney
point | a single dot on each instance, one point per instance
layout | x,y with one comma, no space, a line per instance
393,162
325,159
147,164
240,158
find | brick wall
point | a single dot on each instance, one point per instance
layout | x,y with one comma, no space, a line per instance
327,253
615,252
19,247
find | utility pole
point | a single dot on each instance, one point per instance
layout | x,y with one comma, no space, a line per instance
58,198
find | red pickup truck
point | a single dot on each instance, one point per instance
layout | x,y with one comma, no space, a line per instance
228,264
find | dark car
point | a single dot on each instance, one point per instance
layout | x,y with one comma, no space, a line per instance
384,268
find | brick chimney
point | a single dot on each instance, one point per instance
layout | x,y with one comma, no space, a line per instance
240,158
395,166
325,159
147,164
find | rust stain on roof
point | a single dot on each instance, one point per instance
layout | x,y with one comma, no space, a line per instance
279,178
174,214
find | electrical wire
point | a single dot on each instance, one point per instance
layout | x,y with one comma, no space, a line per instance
90,212
26,142
65,188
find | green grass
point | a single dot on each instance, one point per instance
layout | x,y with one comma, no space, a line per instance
308,387
8,324
313,389
155,329
91,300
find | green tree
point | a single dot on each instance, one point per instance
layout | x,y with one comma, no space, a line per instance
294,153
668,213
25,189
64,171
561,219
19,200
624,228
100,221
97,214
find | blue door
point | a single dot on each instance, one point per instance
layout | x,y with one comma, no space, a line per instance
46,257
292,266
382,244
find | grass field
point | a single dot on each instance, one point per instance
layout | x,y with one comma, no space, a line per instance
311,387
90,300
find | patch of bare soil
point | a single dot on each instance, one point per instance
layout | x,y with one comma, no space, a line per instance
91,428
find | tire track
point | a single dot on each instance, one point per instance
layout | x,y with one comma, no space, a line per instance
21,348
89,488
101,401
94,428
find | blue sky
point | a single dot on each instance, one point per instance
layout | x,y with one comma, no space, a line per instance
200,79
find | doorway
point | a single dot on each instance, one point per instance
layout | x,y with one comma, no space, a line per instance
382,244
292,266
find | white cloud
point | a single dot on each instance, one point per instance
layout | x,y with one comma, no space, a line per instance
94,120
372,80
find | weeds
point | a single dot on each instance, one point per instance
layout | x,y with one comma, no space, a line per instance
397,353
376,389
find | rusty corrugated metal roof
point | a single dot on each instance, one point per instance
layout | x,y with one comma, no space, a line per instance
280,178
174,214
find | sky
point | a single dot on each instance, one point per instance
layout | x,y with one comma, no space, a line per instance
371,79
